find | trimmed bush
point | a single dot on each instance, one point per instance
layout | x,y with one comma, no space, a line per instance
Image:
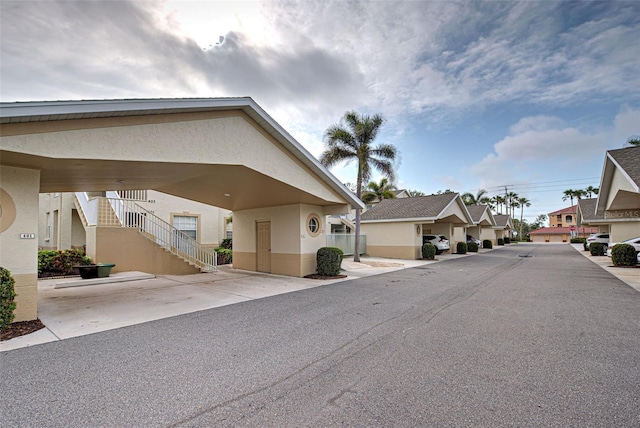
623,255
584,245
578,240
472,247
461,248
487,244
227,243
61,262
7,297
428,251
507,240
597,248
224,256
329,260
500,241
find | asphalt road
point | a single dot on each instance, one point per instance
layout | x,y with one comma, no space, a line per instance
494,339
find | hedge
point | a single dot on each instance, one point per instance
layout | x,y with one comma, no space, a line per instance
623,255
329,260
500,241
597,248
472,247
428,251
224,256
461,248
61,262
7,298
487,244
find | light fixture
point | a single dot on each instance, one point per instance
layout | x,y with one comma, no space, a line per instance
227,194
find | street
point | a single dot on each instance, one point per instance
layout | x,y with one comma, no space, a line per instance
529,335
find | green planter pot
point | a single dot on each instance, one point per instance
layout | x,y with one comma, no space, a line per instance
100,270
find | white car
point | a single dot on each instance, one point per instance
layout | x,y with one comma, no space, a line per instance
471,239
440,241
635,242
597,237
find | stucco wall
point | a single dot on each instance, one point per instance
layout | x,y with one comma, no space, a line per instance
621,231
132,252
20,190
293,249
393,240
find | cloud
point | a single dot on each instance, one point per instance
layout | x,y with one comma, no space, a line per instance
544,142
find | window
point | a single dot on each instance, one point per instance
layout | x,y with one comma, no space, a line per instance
569,219
186,224
313,225
48,234
229,234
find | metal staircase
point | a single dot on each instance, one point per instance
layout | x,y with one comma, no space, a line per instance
115,211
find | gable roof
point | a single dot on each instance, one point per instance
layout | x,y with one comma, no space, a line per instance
478,211
587,211
627,162
41,111
503,221
568,210
416,208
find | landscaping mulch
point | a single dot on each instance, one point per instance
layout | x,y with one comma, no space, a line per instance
316,276
21,328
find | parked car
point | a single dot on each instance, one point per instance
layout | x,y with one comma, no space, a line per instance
440,241
471,239
597,237
635,242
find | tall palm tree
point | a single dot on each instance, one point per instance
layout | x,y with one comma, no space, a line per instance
591,191
352,139
378,192
569,194
524,202
471,199
498,200
511,197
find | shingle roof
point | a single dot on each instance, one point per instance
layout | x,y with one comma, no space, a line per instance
476,211
568,210
588,210
629,160
501,220
417,207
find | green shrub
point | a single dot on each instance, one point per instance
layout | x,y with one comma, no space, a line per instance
7,297
227,243
584,245
578,240
472,247
329,260
507,240
487,244
623,255
500,241
461,248
224,256
428,251
597,248
61,262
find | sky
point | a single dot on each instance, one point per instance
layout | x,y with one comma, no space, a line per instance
475,94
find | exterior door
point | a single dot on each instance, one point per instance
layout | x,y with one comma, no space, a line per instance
264,246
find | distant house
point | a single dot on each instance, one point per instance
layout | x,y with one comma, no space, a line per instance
563,225
504,226
566,217
484,223
395,227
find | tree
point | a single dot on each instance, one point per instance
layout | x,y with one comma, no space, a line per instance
442,192
511,197
591,191
413,193
471,199
378,192
498,201
352,139
633,141
523,202
569,194
539,222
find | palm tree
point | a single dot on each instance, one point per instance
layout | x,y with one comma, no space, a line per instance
591,191
378,192
350,140
471,199
414,193
510,198
524,202
569,194
498,200
633,141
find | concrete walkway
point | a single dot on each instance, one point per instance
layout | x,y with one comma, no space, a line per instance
74,307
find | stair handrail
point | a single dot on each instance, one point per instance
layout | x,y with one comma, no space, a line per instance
89,209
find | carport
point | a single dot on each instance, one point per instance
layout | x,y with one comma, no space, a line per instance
223,152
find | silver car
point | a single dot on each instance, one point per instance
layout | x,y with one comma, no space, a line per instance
597,237
439,241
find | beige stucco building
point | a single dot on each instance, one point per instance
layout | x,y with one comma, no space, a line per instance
226,153
395,227
617,208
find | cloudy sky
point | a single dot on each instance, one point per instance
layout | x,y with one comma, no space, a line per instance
482,94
